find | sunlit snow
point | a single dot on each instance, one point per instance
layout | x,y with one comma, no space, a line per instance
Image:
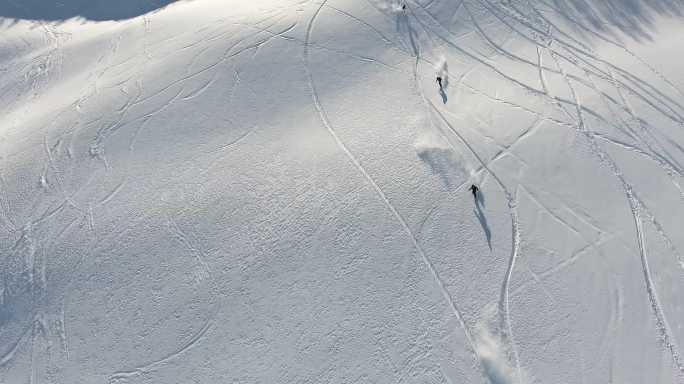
279,191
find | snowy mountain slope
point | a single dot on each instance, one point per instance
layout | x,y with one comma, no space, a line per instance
277,191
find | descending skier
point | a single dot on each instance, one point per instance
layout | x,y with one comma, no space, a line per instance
439,81
473,188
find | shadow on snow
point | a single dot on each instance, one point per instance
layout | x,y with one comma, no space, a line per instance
479,213
96,10
635,18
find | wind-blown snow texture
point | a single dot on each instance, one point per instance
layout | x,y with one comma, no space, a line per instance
274,191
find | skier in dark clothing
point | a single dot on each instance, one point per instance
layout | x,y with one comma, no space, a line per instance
439,81
473,188
403,7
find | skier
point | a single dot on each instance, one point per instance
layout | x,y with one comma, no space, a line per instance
473,188
439,81
403,7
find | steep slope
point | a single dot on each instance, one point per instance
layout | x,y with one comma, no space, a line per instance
277,191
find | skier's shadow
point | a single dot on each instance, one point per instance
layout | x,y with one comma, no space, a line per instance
403,26
444,95
444,74
479,205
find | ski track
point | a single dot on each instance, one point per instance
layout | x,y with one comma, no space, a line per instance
582,127
635,207
504,317
116,377
505,287
660,317
447,296
184,239
9,356
504,302
503,305
111,195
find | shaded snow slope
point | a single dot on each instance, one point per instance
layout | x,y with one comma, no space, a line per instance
276,191
84,9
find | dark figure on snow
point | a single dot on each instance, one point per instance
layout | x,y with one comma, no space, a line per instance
473,188
439,81
403,7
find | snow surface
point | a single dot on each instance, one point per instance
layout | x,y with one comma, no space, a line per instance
276,191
